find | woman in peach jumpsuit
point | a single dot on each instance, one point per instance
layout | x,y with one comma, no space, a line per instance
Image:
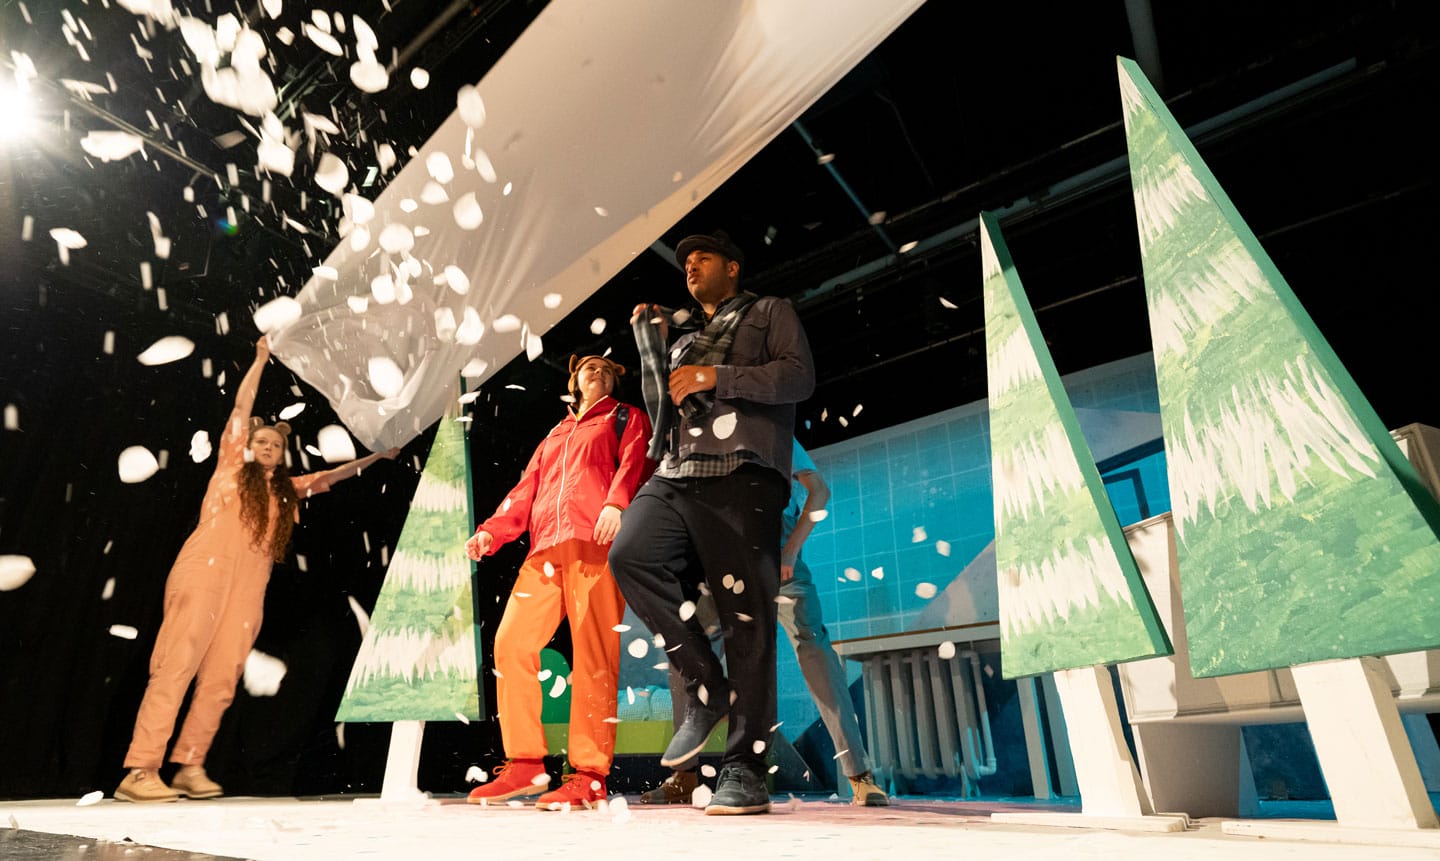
215,594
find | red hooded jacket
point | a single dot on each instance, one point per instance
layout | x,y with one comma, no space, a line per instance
580,467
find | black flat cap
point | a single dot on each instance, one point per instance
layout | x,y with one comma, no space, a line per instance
718,242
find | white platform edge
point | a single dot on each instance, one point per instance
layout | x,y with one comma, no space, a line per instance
1331,832
1156,822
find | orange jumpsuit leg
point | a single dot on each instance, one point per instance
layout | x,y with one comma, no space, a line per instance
195,597
222,666
532,614
595,607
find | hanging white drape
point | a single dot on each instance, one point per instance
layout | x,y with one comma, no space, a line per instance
604,124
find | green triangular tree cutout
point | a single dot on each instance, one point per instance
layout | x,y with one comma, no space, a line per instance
1070,593
417,661
1303,532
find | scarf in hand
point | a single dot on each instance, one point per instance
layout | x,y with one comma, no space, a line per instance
710,346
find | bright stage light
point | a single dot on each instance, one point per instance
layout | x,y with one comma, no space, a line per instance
15,111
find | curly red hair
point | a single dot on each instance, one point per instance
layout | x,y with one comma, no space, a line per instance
256,492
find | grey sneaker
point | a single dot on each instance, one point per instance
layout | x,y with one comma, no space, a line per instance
694,731
739,790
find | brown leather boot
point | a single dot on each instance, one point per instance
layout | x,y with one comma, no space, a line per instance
143,785
191,781
678,788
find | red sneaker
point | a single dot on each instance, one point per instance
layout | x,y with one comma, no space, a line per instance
516,778
583,788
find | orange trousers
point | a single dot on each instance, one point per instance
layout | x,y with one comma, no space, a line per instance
578,586
212,616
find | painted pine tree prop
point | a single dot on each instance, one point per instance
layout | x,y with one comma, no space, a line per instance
1070,593
1303,532
418,661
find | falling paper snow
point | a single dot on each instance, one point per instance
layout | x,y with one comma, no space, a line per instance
200,448
15,571
137,464
171,348
263,674
124,632
335,444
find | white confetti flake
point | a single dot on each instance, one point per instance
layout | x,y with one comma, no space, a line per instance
925,590
419,78
917,535
942,547
263,674
552,300
463,718
277,314
108,347
620,628
327,272
12,417
471,106
597,326
853,575
724,426
109,591
946,650
507,323
468,215
433,194
137,464
15,571
358,304
457,280
323,40
818,515
111,145
200,448
67,240
27,228
369,76
638,647
291,411
382,288
758,746
396,239
90,798
948,304
335,444
858,408
687,609
476,774
361,617
124,632
360,209
332,174
385,376
700,798
486,169
438,165
475,367
558,689
166,350
877,573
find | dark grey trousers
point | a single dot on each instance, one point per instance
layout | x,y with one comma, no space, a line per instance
678,533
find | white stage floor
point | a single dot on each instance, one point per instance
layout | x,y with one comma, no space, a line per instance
441,829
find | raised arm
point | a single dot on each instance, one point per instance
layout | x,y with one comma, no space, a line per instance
346,470
818,498
238,425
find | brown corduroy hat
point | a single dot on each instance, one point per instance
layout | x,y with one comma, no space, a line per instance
578,362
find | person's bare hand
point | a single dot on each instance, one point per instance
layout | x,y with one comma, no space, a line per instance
686,380
607,525
262,347
787,566
479,544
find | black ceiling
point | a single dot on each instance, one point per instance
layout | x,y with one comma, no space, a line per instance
1308,112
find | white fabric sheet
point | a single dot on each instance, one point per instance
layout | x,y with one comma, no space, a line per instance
607,122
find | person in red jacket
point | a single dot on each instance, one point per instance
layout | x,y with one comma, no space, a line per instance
570,497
